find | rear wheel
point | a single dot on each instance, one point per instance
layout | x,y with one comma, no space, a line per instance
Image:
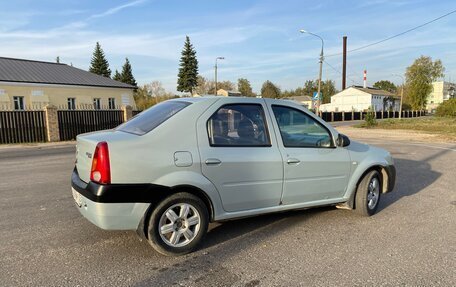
368,194
178,224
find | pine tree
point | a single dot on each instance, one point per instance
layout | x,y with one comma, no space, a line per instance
188,70
99,65
57,60
117,76
127,75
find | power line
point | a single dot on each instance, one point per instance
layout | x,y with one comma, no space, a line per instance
395,36
338,71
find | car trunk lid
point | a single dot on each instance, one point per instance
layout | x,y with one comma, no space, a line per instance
87,143
85,148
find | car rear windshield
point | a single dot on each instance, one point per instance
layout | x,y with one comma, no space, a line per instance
152,118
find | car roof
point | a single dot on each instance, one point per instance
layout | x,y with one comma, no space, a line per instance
240,99
192,99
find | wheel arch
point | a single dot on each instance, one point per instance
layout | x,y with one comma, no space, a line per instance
143,224
384,179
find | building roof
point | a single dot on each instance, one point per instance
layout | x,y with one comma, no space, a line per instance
374,91
228,91
38,72
301,98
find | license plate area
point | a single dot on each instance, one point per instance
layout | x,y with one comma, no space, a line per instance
77,198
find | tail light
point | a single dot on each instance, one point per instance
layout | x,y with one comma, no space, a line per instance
101,168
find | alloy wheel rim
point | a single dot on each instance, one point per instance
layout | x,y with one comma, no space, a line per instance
179,224
373,193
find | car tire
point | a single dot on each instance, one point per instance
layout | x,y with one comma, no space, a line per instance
178,224
368,194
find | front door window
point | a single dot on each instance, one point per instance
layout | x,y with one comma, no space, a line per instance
300,130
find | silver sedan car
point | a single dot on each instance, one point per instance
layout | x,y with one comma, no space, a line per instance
186,162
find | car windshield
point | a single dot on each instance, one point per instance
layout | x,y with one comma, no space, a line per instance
152,117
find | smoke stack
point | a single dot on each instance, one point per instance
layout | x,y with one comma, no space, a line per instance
344,62
365,79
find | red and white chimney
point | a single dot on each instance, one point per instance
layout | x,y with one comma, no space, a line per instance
365,79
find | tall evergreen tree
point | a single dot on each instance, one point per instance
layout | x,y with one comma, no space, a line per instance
117,76
99,65
57,60
127,75
188,70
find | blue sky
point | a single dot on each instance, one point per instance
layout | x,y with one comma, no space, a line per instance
259,39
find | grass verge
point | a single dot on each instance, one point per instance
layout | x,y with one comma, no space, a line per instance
443,126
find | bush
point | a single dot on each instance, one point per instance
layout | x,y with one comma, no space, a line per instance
370,120
447,109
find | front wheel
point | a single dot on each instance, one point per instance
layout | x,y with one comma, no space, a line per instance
368,194
178,224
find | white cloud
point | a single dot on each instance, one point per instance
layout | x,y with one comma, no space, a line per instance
9,21
116,9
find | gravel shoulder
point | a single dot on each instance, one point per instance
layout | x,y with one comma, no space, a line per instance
394,134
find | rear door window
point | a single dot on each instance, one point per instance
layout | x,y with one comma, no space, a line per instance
152,118
242,125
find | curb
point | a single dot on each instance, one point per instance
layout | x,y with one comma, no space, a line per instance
37,145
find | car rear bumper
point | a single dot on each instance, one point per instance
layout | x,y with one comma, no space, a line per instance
100,205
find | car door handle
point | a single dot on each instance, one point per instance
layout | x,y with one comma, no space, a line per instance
213,161
293,161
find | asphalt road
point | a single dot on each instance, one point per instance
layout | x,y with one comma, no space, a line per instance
410,242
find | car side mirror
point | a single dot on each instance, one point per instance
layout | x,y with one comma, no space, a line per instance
343,140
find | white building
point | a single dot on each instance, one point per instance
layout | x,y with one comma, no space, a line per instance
225,93
305,101
222,92
357,98
441,91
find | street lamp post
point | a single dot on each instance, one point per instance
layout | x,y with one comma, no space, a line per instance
321,67
402,94
218,58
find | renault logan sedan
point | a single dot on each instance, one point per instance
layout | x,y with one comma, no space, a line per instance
186,162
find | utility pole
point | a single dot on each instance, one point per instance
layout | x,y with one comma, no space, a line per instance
344,62
319,79
218,58
321,68
402,94
400,105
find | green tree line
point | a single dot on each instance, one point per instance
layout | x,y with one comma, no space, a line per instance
417,87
